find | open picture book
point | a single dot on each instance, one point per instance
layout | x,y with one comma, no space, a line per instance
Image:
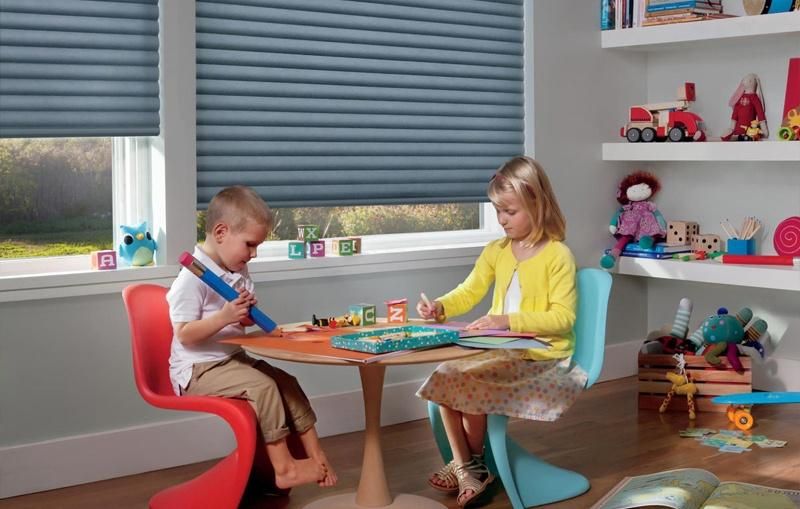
694,488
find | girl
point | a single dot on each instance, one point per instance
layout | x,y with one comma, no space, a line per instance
534,291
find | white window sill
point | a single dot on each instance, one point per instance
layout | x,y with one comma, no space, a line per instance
462,250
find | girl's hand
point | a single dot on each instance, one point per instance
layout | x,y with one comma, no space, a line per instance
490,322
430,310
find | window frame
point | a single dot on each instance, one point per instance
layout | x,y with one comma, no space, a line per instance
172,204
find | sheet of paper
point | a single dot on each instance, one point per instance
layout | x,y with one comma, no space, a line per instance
490,340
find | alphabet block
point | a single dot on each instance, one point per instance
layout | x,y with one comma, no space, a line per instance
397,311
356,244
104,260
297,249
706,243
342,247
316,248
679,233
307,232
365,313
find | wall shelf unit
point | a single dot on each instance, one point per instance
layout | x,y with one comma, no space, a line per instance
673,36
708,271
703,151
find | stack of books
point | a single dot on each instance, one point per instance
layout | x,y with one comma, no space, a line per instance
663,12
659,251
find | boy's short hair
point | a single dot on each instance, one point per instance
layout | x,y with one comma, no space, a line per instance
237,206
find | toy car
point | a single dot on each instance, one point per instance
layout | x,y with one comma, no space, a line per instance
665,121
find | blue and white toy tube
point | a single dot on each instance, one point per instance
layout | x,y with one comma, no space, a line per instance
221,287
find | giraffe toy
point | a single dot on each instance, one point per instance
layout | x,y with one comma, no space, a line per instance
681,385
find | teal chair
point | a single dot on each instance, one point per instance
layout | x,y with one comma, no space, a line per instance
528,480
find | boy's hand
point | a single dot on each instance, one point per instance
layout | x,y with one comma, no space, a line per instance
500,322
238,309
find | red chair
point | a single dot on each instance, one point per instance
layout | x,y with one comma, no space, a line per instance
224,485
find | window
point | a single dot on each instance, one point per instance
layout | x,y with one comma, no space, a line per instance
55,196
371,220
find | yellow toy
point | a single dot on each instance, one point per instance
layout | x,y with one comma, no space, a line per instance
681,385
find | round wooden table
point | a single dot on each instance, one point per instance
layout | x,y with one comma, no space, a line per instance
373,490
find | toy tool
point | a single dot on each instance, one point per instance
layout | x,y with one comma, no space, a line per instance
224,289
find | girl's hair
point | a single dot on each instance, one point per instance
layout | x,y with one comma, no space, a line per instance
525,177
634,179
237,206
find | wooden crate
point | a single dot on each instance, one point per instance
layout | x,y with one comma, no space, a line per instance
711,381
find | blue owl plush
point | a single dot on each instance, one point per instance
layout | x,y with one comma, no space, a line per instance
137,247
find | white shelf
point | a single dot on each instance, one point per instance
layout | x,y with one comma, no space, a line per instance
703,151
673,36
761,276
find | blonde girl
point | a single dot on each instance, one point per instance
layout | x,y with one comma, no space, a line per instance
533,274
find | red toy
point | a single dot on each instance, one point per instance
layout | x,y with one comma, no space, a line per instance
662,121
748,122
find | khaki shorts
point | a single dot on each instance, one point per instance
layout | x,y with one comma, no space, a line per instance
280,404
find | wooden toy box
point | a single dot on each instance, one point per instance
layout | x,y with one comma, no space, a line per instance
711,381
395,338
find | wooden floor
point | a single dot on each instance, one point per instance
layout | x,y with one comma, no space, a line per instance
603,436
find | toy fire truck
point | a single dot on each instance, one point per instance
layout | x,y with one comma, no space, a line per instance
665,121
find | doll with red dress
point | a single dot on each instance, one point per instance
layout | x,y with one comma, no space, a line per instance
748,107
638,219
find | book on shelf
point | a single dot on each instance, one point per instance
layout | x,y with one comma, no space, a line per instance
659,247
668,20
694,488
666,6
634,254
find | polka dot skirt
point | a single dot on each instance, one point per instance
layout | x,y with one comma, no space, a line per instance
504,382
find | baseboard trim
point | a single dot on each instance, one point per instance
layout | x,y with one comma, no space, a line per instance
620,360
68,461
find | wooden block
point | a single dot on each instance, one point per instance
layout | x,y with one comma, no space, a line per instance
316,248
297,249
706,243
345,247
679,233
365,312
356,244
710,381
307,232
397,311
104,260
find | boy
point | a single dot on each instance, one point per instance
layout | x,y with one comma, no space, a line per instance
238,221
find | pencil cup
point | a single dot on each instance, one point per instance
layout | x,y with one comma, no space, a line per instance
742,246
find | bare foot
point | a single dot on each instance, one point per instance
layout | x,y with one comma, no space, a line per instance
301,472
330,475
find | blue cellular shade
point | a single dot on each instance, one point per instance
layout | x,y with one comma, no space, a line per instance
75,68
343,102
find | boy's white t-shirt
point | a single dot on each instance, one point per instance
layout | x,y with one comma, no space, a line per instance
191,299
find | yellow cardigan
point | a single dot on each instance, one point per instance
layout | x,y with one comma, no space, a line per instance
547,284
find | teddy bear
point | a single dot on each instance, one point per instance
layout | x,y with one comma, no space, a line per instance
637,219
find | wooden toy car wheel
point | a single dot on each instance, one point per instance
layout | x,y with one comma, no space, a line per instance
648,134
675,134
633,135
743,420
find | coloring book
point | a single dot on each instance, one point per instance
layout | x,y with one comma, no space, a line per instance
694,488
